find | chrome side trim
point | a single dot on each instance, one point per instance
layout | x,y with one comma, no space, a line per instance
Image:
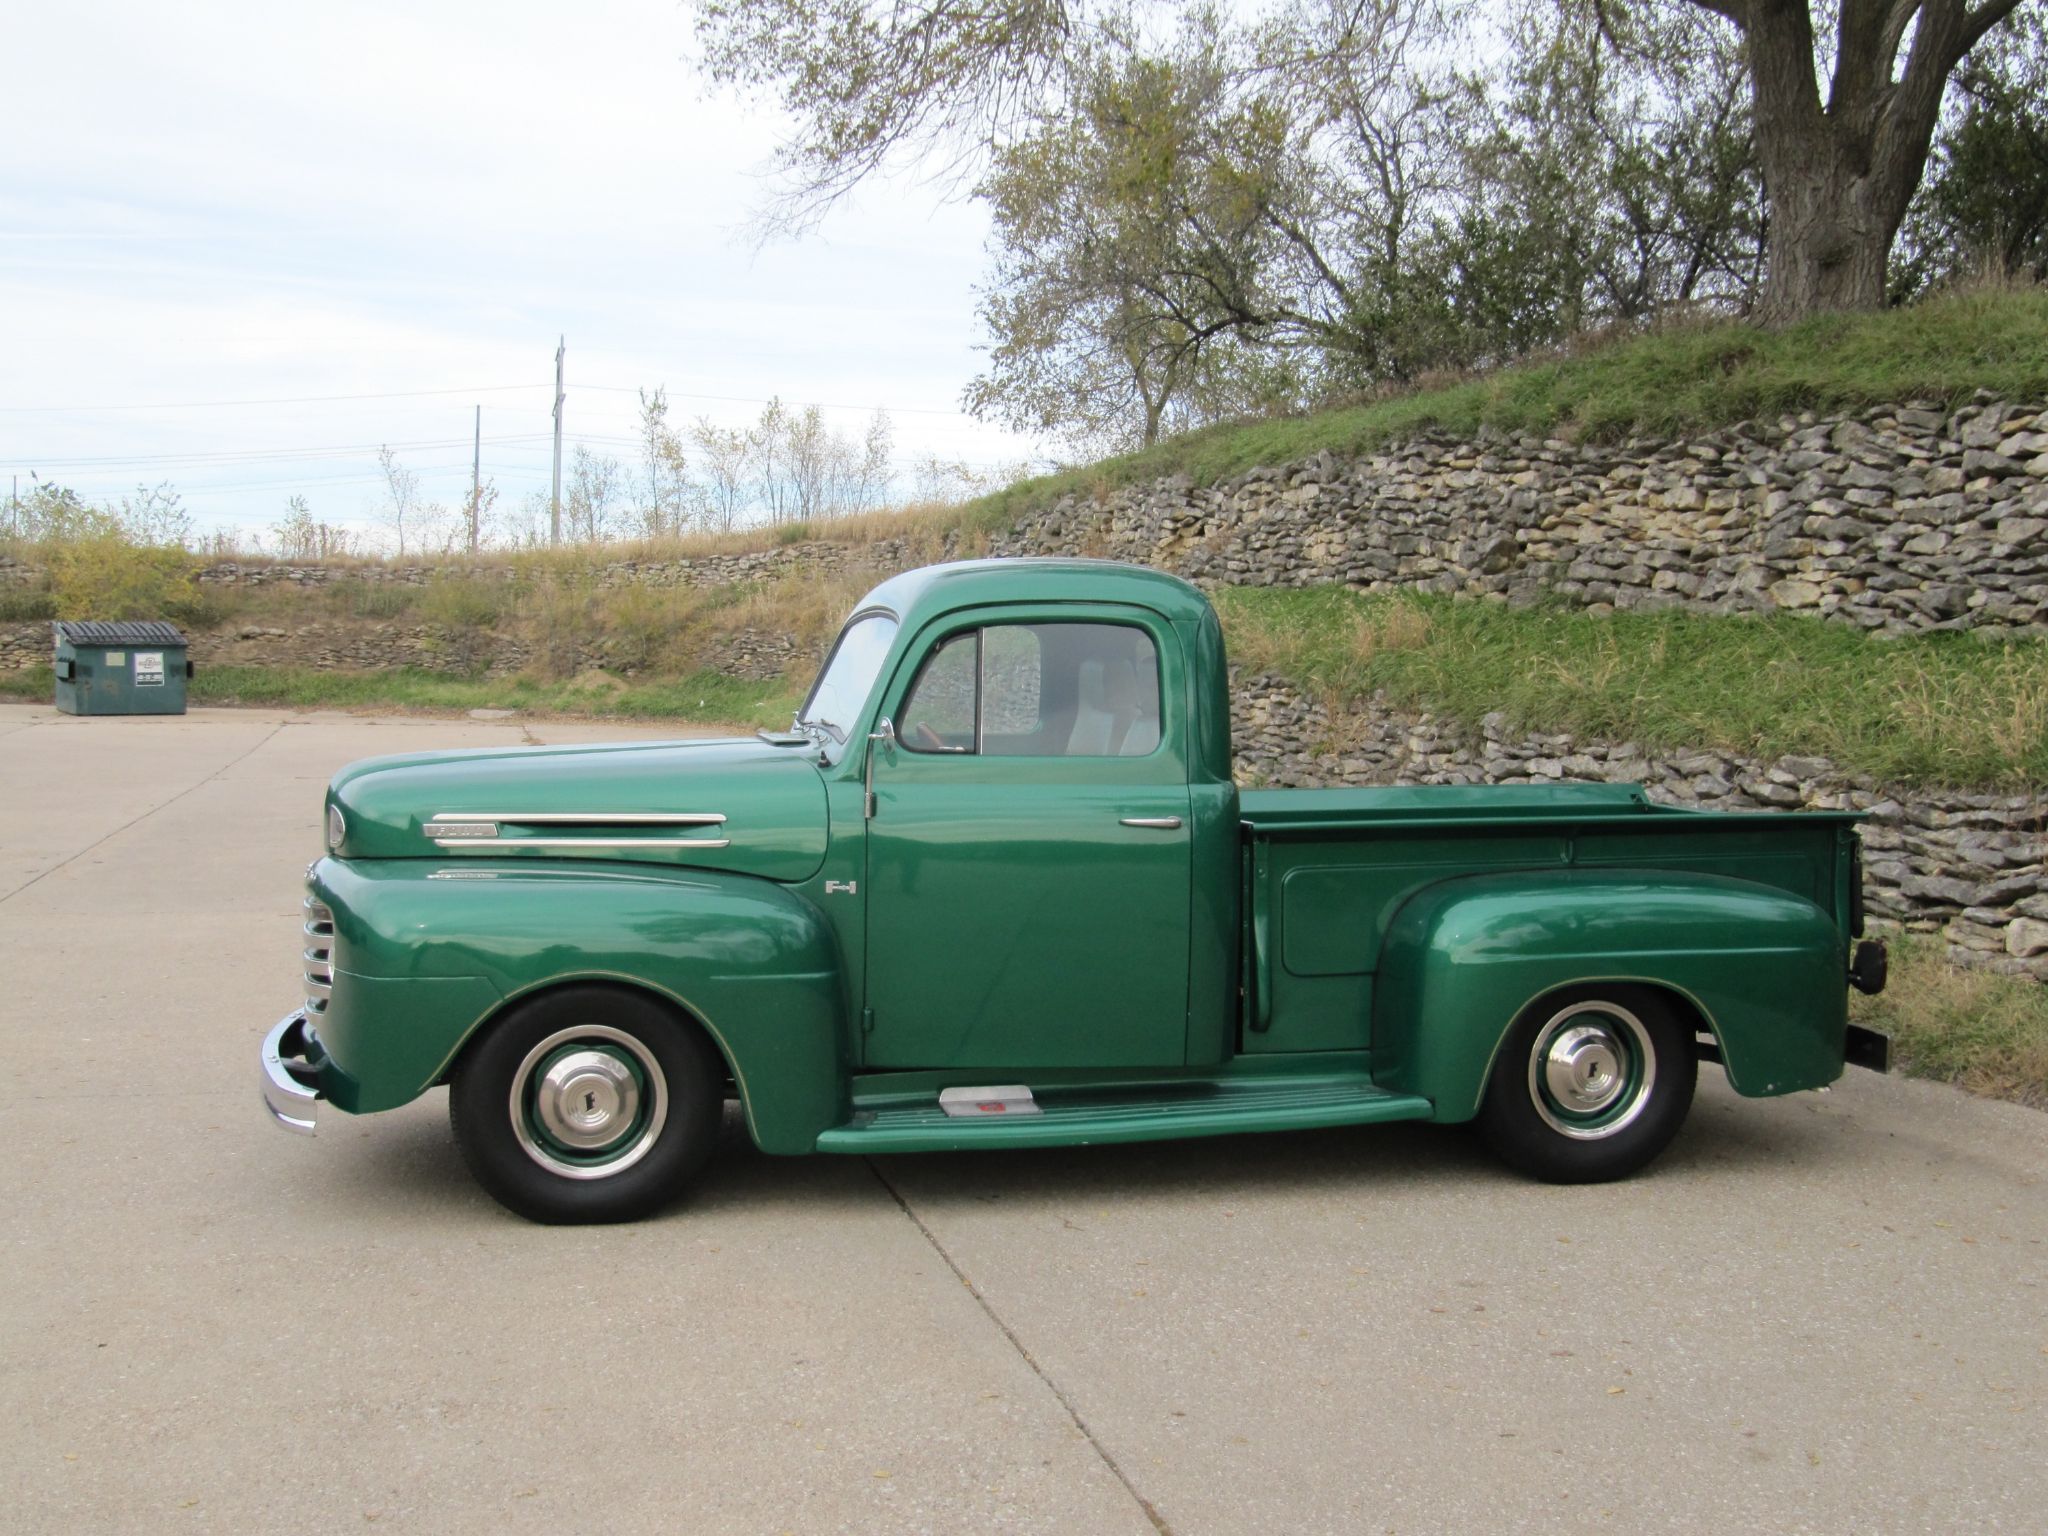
582,842
1160,823
480,829
588,818
291,1103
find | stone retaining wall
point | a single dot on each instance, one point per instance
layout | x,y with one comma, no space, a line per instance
808,557
1905,518
25,645
364,646
1898,518
1967,865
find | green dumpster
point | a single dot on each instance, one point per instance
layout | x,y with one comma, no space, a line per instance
135,668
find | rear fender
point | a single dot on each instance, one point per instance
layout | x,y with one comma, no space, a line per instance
426,957
1762,969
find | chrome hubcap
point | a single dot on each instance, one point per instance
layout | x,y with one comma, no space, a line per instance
1583,1070
1591,1071
588,1102
586,1098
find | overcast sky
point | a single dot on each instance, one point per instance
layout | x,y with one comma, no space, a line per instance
230,202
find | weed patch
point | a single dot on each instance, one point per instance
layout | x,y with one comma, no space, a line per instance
706,698
1943,709
1979,1031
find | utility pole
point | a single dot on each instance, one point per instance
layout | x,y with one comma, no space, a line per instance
555,516
476,482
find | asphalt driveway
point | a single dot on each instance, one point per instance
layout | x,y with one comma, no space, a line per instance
1822,1313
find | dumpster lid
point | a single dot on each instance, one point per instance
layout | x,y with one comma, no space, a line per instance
127,632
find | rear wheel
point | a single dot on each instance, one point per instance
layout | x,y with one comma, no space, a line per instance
587,1104
1590,1084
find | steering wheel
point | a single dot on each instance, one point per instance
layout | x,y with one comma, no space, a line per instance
927,738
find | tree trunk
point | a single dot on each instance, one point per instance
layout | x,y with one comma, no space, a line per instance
1838,177
1830,236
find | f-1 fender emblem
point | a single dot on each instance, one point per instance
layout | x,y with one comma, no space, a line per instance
842,887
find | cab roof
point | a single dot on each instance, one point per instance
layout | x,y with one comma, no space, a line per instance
934,589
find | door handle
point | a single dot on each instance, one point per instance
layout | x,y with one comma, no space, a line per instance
1159,823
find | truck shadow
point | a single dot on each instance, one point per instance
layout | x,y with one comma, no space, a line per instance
414,1163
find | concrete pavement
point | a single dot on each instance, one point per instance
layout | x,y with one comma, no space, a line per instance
1823,1313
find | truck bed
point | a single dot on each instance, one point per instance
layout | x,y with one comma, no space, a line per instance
1326,872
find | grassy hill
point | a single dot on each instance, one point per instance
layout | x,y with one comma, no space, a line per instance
1677,380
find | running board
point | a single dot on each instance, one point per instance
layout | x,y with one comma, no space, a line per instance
1082,1117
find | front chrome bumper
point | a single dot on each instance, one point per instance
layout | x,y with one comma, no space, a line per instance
289,1079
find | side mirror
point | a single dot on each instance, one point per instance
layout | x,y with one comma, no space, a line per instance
883,735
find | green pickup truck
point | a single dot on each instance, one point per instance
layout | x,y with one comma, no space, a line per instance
997,888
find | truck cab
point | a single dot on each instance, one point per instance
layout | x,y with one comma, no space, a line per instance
997,886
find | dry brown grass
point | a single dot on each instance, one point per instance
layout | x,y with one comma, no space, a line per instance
1285,639
923,525
1980,1031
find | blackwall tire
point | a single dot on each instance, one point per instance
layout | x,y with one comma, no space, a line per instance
587,1104
1590,1084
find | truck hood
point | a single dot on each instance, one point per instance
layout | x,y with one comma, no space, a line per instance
738,805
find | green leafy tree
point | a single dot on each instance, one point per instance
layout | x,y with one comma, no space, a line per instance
1843,97
50,513
1985,207
1134,240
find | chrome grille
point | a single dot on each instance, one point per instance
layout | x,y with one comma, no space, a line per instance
319,955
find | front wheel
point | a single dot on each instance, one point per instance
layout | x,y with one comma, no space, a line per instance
1589,1085
587,1104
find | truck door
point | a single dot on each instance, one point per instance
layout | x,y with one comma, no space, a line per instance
1028,856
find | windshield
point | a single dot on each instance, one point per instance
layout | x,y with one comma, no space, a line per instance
843,687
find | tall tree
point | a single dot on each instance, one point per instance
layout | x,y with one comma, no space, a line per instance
663,486
720,490
1132,242
1840,168
402,511
591,504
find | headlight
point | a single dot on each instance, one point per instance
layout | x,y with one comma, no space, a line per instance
337,829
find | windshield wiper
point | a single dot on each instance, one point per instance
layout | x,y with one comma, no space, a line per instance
838,735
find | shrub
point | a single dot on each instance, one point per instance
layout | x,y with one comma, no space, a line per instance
103,576
27,604
375,599
461,603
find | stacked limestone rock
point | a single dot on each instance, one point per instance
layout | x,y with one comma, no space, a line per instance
1904,518
25,645
334,645
757,655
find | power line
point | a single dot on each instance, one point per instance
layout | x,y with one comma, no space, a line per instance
260,455
306,482
202,405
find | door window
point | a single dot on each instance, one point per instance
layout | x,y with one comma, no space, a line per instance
941,712
1038,690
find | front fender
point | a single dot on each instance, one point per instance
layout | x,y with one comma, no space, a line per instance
425,955
1462,959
